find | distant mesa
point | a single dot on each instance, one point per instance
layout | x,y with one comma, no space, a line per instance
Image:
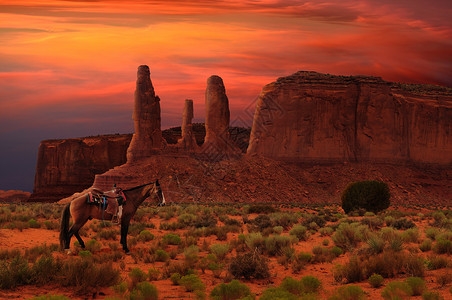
307,117
13,196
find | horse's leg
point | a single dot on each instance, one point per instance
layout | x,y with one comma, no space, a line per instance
124,231
74,231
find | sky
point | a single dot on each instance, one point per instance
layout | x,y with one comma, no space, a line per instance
68,67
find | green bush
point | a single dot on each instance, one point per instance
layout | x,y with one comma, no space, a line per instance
192,283
261,209
231,291
397,290
347,236
299,231
145,236
175,278
417,285
443,246
310,284
371,195
220,250
276,243
426,245
349,292
14,273
137,275
292,285
431,295
161,255
153,274
278,294
147,291
172,239
436,262
376,280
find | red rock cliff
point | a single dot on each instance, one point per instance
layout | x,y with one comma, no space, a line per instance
316,117
68,166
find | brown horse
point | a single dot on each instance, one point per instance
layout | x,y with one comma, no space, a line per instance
82,211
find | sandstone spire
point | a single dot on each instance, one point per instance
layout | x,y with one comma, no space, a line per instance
148,135
217,118
188,141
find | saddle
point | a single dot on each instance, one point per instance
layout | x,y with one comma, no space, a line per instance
110,201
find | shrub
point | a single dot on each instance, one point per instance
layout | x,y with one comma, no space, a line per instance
292,285
397,290
145,236
376,280
220,250
310,284
410,235
444,279
277,293
147,291
353,271
192,283
172,239
14,273
436,262
278,229
262,222
161,255
175,278
426,245
376,244
347,236
299,231
93,245
370,195
326,231
443,246
191,255
231,291
417,285
431,295
137,275
45,269
153,274
249,265
255,241
275,243
86,275
403,223
349,292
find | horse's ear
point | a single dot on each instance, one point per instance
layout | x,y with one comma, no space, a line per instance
157,182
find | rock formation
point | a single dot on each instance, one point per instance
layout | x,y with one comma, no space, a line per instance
68,166
188,141
315,117
217,138
147,138
13,196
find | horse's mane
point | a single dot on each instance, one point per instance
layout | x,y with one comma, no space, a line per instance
137,187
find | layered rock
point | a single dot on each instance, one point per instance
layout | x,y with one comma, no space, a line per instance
68,166
147,138
316,117
217,138
188,140
13,196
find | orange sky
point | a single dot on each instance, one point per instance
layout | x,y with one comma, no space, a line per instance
67,68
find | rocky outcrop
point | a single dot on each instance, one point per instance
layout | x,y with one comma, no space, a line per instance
315,117
68,166
13,196
188,140
147,138
217,140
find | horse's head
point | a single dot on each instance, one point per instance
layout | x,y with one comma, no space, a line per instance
156,194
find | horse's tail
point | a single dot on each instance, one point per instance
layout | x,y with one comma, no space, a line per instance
64,229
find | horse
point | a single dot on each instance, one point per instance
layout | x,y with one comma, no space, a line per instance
82,211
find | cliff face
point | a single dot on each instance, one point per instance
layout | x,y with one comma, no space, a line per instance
316,117
68,166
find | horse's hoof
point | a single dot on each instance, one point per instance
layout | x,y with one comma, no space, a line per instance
127,252
68,251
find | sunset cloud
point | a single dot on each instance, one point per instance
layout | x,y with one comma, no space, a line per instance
68,68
